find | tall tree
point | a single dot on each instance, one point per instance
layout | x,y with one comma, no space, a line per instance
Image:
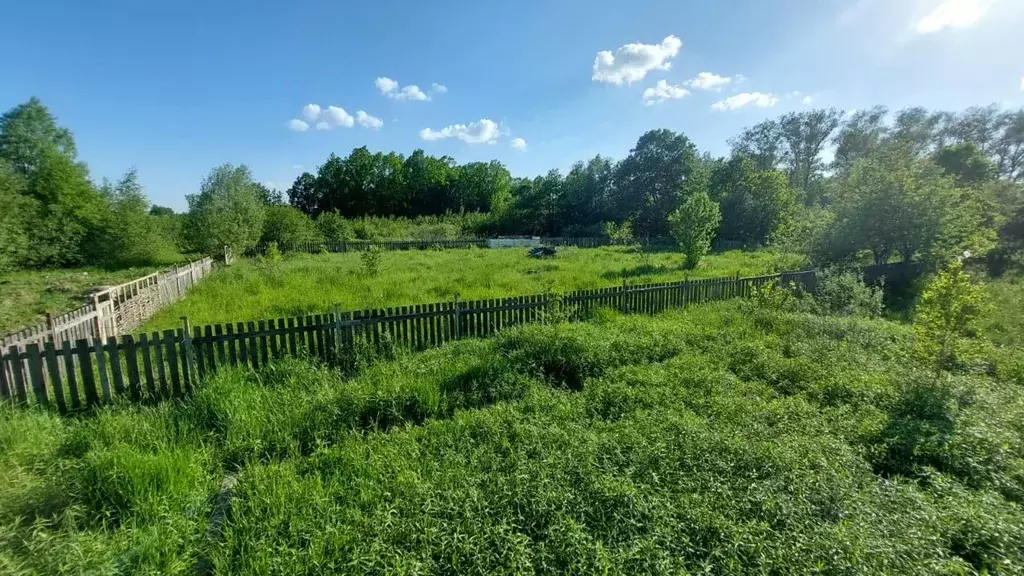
754,203
967,164
861,134
586,194
227,211
304,194
659,173
1008,149
978,125
762,143
805,134
28,132
917,130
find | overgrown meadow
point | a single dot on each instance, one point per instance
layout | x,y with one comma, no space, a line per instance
732,438
300,284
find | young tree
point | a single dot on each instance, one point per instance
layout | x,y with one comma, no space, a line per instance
762,143
948,311
694,225
227,211
128,234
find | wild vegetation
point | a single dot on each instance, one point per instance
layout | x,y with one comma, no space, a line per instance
301,284
732,438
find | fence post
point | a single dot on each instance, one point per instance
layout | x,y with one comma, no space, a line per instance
101,330
187,353
457,318
337,331
53,329
191,274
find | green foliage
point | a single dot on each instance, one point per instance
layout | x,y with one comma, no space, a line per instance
694,225
273,253
29,133
620,234
370,261
288,227
227,211
843,293
946,314
755,204
967,164
128,235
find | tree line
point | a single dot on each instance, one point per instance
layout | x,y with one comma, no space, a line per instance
909,185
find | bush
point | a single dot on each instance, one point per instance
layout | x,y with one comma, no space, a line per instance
288,227
843,293
693,225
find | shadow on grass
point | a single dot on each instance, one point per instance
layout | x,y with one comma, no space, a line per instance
643,270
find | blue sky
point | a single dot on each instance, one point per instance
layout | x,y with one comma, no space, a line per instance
176,88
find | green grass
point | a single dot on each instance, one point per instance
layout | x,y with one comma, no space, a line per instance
1003,321
26,296
722,439
304,284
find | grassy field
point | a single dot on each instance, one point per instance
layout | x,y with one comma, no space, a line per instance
304,284
723,439
26,296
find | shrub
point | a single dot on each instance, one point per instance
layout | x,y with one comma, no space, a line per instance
289,227
844,293
693,225
370,261
948,312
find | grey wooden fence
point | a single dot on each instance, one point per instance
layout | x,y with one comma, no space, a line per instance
79,374
114,310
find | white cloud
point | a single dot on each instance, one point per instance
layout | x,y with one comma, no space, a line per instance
709,81
633,61
808,100
386,85
336,116
951,14
297,167
297,125
484,131
389,88
367,121
758,99
323,125
663,91
518,143
411,92
311,112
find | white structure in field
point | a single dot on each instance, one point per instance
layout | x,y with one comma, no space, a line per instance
514,242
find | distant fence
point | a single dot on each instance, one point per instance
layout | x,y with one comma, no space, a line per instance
114,310
362,245
79,374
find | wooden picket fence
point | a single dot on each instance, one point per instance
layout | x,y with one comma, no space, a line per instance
114,310
81,374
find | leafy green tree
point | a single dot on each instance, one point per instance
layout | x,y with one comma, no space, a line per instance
860,135
481,187
128,235
227,211
694,225
28,132
762,143
334,228
967,164
754,203
1008,148
659,173
289,227
895,203
919,131
304,194
805,135
15,217
155,210
269,196
947,312
586,197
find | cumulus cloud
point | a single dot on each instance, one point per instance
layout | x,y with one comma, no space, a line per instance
808,100
663,91
709,81
390,88
951,14
484,131
330,118
336,116
368,121
518,143
632,62
438,88
757,99
311,112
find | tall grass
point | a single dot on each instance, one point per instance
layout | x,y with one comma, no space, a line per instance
721,439
312,284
